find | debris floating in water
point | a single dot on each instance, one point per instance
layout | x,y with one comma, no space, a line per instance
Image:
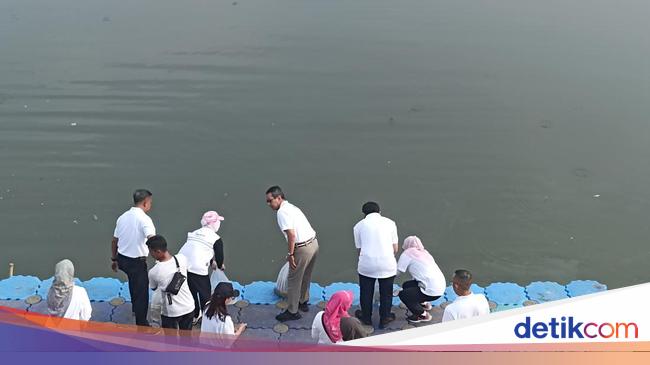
106,19
95,217
75,221
596,195
571,237
225,194
73,124
42,204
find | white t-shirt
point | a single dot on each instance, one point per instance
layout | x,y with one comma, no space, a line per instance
291,217
466,306
79,307
216,332
318,330
132,229
159,277
428,275
199,250
375,236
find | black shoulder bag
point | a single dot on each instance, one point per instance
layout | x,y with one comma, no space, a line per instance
175,284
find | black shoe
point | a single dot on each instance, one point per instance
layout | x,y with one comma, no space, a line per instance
386,320
424,317
359,314
304,307
288,316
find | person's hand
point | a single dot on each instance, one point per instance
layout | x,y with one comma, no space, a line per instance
213,265
223,267
292,262
114,266
240,328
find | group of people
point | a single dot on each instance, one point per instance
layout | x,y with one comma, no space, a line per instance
188,297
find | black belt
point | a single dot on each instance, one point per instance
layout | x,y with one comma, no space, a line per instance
142,258
303,244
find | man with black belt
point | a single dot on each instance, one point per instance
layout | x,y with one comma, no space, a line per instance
301,255
129,251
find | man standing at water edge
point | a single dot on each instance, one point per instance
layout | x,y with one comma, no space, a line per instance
375,238
129,251
301,252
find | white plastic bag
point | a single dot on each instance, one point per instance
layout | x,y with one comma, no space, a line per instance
218,276
155,309
282,284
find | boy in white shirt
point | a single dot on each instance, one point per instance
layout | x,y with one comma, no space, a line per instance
177,309
467,304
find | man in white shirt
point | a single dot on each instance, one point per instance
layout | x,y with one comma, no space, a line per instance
129,251
467,304
375,238
301,252
177,309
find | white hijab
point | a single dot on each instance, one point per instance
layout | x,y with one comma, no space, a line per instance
60,294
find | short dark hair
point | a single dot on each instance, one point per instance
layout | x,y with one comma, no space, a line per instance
157,242
464,278
275,191
140,195
370,207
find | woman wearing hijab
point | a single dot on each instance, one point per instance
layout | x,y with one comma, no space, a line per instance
326,328
203,247
428,282
64,299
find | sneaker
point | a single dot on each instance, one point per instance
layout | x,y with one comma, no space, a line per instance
359,314
288,316
386,320
424,317
304,307
427,306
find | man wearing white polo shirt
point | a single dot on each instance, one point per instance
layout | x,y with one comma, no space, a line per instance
376,240
467,304
129,251
301,252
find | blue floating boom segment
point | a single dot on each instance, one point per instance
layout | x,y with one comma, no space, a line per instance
506,294
18,287
584,287
451,295
334,287
546,291
44,288
316,293
102,289
260,292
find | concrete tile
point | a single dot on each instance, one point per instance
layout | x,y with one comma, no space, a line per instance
123,314
40,307
16,304
297,336
257,338
306,321
259,316
101,311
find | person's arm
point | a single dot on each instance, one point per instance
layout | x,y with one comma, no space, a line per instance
86,308
394,248
447,316
395,239
315,331
218,254
114,254
291,245
357,240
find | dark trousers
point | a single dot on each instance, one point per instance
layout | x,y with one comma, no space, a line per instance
136,272
183,322
200,289
367,292
413,297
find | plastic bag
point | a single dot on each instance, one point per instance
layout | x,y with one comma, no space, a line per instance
282,284
155,309
218,276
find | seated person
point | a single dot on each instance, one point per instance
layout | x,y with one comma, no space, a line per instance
217,327
467,304
64,299
326,328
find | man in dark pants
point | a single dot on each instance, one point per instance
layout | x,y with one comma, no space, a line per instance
375,238
129,251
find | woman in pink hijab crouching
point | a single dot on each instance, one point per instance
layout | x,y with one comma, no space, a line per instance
428,282
334,324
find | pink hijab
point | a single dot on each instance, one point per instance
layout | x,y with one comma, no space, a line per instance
413,247
337,308
212,220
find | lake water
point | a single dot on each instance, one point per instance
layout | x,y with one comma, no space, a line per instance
511,136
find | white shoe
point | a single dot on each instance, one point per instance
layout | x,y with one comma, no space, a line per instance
427,306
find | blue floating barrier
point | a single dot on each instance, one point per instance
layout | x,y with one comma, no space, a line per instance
19,287
451,295
584,287
45,285
396,300
505,307
102,289
506,293
126,294
334,287
546,291
238,286
260,292
316,293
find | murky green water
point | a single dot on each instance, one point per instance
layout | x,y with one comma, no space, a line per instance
511,136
